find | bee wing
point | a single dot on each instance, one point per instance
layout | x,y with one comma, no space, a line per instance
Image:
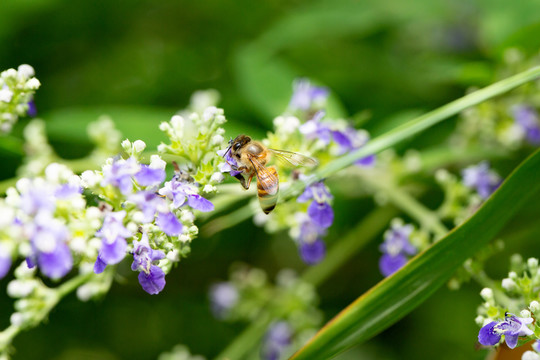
267,185
267,178
294,158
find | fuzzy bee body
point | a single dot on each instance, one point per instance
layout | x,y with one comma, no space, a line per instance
251,158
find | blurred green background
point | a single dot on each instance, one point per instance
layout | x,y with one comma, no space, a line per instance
139,61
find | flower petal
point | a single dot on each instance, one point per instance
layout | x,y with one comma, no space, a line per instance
312,253
169,224
321,214
154,281
56,264
389,264
199,203
113,253
487,336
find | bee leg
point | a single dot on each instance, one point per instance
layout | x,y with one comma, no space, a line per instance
242,179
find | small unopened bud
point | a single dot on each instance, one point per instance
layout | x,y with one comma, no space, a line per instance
126,145
139,146
534,306
525,314
532,263
486,294
509,284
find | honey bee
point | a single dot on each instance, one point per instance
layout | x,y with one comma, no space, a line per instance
251,158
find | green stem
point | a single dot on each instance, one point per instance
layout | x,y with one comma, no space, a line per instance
400,198
11,144
245,341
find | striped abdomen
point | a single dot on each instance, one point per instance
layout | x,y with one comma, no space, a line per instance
268,189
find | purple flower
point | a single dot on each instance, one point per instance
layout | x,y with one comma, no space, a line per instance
527,118
65,191
314,129
113,235
151,277
177,191
277,339
352,139
389,264
37,198
223,297
119,174
312,253
305,95
321,214
32,109
229,163
169,224
481,178
149,203
396,248
57,263
48,238
5,260
148,176
512,327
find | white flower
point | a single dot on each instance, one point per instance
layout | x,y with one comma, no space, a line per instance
5,94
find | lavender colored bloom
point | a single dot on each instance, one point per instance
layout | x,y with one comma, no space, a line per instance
119,174
113,235
169,224
149,203
527,118
148,176
152,282
223,297
229,164
199,203
5,261
32,109
306,95
352,139
48,238
277,339
65,191
57,263
177,191
314,129
321,214
312,253
389,264
512,327
481,178
38,198
396,247
317,191
151,277
99,265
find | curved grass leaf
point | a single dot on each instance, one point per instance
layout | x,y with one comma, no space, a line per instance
399,294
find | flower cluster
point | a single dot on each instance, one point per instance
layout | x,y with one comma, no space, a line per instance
46,220
305,129
157,217
396,248
16,90
196,138
462,198
312,227
509,122
518,293
248,296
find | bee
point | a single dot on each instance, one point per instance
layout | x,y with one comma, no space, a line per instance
251,158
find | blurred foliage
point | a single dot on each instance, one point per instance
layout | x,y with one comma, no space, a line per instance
139,61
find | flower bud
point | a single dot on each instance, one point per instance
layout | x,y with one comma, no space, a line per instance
486,294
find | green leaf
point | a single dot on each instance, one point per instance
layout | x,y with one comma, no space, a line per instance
399,294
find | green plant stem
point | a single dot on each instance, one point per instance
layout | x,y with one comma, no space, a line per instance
400,198
12,145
